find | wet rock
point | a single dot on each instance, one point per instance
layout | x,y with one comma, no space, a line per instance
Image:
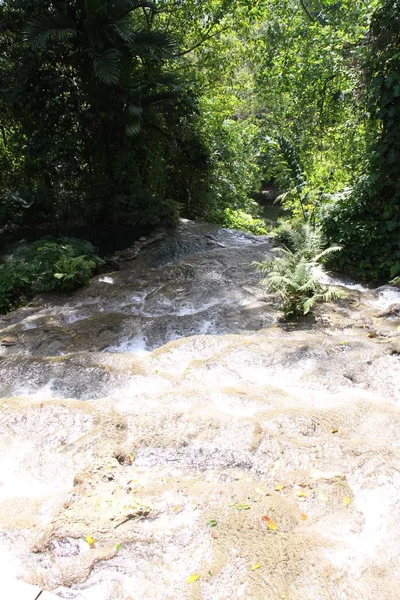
9,341
173,398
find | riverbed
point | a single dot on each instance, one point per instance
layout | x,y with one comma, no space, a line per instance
166,435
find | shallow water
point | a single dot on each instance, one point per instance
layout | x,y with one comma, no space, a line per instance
168,395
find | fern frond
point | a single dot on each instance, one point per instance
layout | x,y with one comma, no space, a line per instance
326,252
308,304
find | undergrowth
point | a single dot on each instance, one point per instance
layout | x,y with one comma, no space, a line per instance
50,264
294,273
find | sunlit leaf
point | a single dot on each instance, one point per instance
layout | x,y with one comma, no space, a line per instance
346,501
90,540
270,524
117,546
131,458
212,523
301,494
279,487
242,506
192,578
255,567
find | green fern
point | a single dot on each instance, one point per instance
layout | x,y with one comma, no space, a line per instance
293,275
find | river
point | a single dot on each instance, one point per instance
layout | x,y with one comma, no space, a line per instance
164,422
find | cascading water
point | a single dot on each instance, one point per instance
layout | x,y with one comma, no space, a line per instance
165,412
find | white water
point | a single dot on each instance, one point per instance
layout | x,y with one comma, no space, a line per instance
197,400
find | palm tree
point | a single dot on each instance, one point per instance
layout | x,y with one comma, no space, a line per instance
117,62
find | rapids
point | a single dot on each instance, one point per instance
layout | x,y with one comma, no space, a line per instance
165,409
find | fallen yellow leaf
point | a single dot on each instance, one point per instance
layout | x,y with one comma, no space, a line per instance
91,541
279,487
301,494
303,517
335,429
255,567
270,524
346,501
192,578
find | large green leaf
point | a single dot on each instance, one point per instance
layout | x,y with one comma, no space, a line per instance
107,66
40,29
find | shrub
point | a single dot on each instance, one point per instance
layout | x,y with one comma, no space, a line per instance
46,265
239,219
300,238
293,275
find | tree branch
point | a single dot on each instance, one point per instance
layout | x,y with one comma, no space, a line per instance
309,15
208,36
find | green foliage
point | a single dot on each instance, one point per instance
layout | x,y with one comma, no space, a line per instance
61,264
293,275
367,223
303,240
238,219
14,286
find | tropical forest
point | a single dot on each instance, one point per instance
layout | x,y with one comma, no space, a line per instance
200,299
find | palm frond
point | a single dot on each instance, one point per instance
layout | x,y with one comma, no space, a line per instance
133,128
40,29
125,30
135,111
121,8
155,44
107,66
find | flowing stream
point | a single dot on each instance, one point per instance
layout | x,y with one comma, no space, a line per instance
167,413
